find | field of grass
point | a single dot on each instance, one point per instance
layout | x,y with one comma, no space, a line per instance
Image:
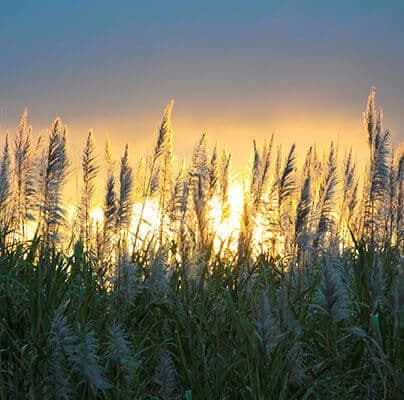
174,294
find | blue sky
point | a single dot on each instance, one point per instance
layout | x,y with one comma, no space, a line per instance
237,69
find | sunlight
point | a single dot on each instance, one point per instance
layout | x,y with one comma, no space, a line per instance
145,221
269,209
30,229
227,227
146,225
96,216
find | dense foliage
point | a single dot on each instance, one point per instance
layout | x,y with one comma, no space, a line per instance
329,330
306,303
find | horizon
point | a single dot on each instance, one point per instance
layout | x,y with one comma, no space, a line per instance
235,71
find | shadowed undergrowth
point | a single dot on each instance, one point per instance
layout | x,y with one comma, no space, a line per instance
330,329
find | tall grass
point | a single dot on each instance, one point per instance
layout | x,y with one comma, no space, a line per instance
306,304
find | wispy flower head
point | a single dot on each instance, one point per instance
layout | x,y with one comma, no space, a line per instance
332,293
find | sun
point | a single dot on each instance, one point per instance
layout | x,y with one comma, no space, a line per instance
226,226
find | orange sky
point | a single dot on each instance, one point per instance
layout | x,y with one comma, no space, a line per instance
237,70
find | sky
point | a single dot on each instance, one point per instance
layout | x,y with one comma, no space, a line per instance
237,70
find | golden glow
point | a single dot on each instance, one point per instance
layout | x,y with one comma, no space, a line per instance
149,223
30,229
227,229
96,216
146,221
147,218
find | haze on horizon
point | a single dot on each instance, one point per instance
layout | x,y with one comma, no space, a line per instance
237,70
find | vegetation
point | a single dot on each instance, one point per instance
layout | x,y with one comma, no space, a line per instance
174,294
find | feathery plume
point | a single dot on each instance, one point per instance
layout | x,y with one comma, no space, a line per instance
332,294
369,116
165,377
157,282
214,173
87,362
179,199
24,175
287,181
63,345
5,187
224,185
125,204
110,205
327,202
119,350
265,325
297,373
286,187
52,176
200,188
164,139
90,171
377,194
350,187
260,171
302,215
162,166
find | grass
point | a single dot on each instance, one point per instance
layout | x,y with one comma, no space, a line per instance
298,296
263,335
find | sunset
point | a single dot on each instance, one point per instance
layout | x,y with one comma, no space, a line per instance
201,200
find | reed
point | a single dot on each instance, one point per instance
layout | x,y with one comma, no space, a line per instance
304,303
